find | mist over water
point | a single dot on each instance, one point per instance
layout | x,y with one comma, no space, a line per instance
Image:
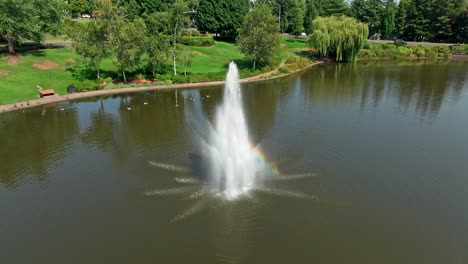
233,163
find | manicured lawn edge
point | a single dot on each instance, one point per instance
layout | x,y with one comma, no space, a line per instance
59,98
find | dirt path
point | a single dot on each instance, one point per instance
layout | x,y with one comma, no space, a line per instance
13,59
265,74
60,98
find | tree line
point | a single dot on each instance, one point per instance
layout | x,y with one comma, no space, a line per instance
418,20
141,42
143,35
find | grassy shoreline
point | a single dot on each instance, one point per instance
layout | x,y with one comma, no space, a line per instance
56,68
68,97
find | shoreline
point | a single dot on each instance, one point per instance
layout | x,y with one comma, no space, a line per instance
74,96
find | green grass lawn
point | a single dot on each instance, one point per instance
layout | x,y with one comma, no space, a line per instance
292,46
18,81
215,58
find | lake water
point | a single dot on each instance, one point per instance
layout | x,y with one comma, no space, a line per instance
384,148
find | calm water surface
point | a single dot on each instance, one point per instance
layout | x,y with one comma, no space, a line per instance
388,143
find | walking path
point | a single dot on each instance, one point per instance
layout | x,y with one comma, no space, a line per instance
60,98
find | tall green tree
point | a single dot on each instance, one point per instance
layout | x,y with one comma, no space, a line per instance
443,16
459,28
388,19
126,37
129,49
332,7
420,19
310,14
296,17
90,41
259,35
22,20
401,17
341,37
369,12
292,14
158,40
79,7
223,17
430,19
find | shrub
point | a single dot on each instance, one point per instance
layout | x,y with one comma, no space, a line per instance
86,85
284,69
441,49
420,53
140,76
378,52
193,33
201,41
431,53
107,80
111,86
388,46
366,45
366,54
179,78
292,59
404,51
459,49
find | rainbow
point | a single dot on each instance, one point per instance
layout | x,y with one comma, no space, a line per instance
261,156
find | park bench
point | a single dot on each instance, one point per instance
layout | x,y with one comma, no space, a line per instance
46,92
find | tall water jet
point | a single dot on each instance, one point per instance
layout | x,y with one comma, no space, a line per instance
232,158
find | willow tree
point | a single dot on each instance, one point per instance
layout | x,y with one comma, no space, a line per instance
340,37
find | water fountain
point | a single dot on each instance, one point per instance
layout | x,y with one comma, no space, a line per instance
233,160
226,165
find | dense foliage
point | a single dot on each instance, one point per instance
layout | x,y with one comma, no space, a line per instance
139,37
200,41
340,37
22,20
133,44
222,17
259,35
80,7
392,51
418,20
432,20
90,41
311,13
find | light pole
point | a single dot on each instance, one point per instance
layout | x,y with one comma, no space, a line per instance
175,38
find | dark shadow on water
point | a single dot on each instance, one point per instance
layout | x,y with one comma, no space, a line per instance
199,166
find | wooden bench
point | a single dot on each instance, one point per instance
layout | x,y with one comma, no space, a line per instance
47,92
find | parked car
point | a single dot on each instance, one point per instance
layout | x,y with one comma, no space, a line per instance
400,42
